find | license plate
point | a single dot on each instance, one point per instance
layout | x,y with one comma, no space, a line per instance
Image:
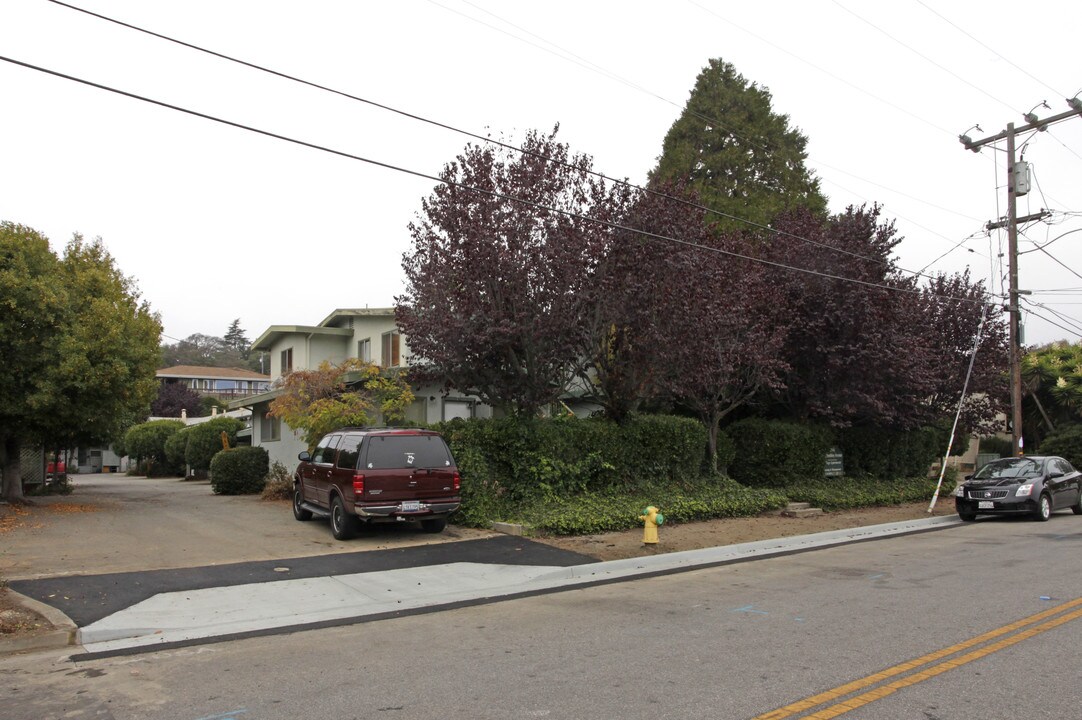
415,505
985,505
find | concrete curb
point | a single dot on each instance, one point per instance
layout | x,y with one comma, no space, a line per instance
214,614
62,636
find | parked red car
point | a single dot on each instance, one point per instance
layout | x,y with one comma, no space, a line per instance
374,475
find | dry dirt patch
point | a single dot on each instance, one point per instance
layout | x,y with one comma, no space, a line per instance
731,531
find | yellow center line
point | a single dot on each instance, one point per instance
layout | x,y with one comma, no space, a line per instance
851,687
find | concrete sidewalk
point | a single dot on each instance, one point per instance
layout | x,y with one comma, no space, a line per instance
201,615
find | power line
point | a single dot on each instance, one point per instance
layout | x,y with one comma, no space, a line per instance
923,56
527,203
1074,329
1042,247
1067,147
989,48
1055,259
782,48
487,139
713,121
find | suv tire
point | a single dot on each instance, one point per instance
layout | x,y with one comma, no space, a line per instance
343,525
298,512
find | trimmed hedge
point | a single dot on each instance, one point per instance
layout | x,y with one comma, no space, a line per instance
239,471
887,454
176,446
771,453
559,456
996,445
1066,442
205,441
508,464
146,443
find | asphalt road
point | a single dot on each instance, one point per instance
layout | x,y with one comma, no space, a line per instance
729,642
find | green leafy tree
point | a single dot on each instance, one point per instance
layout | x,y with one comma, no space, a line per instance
102,379
740,156
352,392
33,309
1052,384
202,350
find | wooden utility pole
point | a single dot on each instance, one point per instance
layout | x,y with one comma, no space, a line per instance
1012,251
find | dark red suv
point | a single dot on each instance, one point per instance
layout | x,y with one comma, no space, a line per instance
357,475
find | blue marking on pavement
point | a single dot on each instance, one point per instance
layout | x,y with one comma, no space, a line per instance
231,715
750,609
875,577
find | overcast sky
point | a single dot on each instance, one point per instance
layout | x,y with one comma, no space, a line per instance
216,223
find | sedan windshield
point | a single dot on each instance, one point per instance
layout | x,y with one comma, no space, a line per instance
1009,468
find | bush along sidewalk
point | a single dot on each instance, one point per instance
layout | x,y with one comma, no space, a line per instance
571,477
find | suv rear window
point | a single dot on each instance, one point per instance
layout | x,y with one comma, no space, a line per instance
407,451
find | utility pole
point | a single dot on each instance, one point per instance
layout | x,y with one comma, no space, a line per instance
1037,124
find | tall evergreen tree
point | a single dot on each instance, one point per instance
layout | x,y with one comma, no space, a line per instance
237,339
741,157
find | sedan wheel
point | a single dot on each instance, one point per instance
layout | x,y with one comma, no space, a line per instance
1044,508
1077,507
967,516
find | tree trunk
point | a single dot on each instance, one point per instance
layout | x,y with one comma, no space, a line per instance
13,476
712,444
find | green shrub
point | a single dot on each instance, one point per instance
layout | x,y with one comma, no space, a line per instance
177,446
239,471
205,441
594,512
507,462
887,454
146,443
845,493
996,446
771,453
279,483
1066,442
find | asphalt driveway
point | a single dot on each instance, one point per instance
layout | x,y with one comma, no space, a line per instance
115,524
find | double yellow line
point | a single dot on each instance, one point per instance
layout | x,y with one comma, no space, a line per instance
1029,627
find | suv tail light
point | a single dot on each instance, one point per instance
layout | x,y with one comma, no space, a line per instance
458,481
358,485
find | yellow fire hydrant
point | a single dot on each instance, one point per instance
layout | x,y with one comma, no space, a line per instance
651,519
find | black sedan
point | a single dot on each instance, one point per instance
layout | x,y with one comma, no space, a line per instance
1034,485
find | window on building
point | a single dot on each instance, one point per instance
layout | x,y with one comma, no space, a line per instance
391,344
287,361
364,350
270,428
